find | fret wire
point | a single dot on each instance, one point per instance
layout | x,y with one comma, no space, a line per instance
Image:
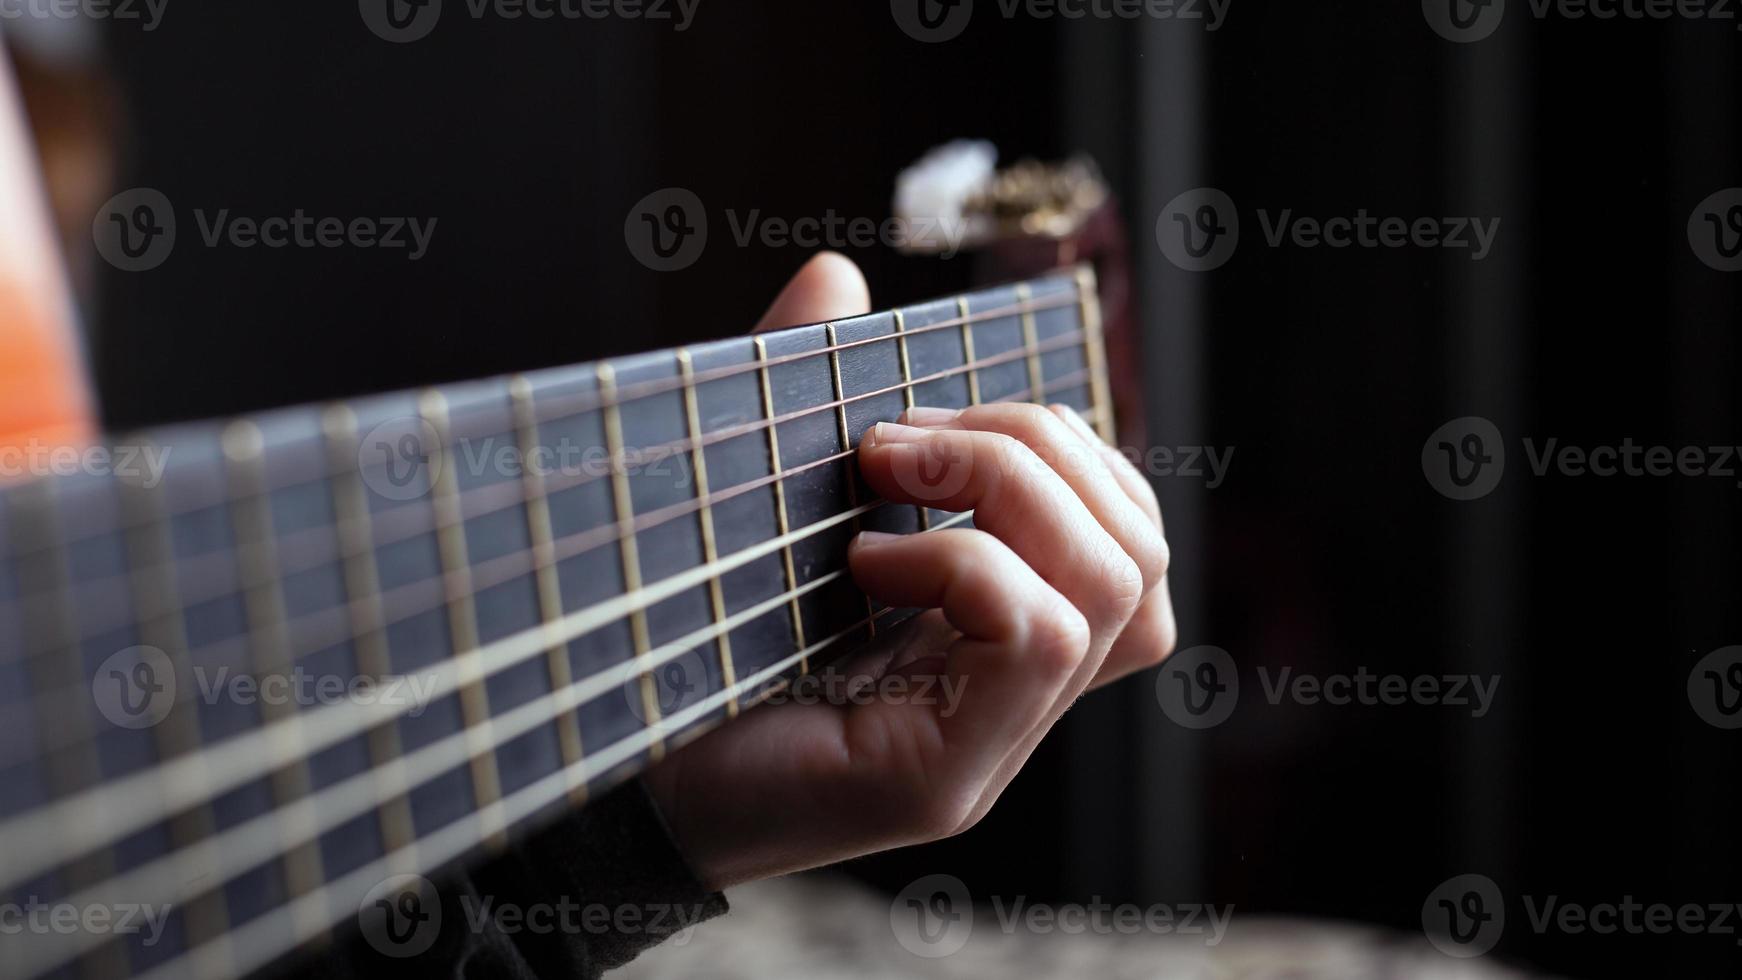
1095,349
239,757
514,565
782,526
246,747
79,766
177,734
462,612
847,444
655,454
705,519
367,608
512,727
907,393
550,596
362,589
450,841
968,351
269,641
1031,341
628,545
534,797
248,843
570,406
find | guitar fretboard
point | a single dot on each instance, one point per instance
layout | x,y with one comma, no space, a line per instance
325,646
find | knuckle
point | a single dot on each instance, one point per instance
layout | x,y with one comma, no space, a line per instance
945,814
1011,456
1152,555
1158,633
1122,587
1061,639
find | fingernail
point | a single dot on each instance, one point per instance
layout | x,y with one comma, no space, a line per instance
930,416
890,433
871,539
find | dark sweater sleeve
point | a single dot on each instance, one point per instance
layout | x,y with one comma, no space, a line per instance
582,896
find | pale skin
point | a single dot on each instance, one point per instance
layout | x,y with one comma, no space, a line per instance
1061,587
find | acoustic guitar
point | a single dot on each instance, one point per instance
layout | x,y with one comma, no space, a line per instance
255,671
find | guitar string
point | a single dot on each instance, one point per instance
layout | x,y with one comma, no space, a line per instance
563,407
87,820
207,866
264,938
583,693
210,583
412,599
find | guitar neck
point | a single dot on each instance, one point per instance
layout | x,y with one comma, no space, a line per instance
299,653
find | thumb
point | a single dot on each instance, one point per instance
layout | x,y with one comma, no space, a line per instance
829,287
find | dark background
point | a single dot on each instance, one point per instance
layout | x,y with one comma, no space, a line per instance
1325,369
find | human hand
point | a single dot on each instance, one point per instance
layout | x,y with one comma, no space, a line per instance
1060,587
